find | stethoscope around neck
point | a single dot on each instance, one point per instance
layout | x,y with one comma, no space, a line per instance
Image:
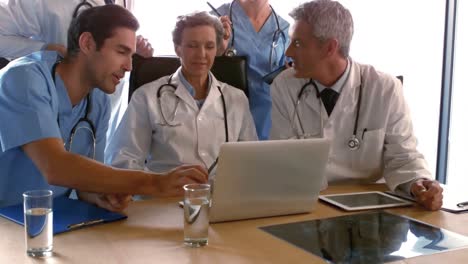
172,123
85,119
353,143
231,51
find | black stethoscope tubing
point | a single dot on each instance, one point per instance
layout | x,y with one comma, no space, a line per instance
85,118
278,32
353,143
169,84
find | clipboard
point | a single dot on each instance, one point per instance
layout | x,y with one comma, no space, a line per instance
269,77
69,214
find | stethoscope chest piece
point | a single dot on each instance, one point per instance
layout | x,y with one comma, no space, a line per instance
230,52
354,143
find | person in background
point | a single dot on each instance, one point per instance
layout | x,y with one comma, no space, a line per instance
256,31
187,116
27,26
360,110
54,120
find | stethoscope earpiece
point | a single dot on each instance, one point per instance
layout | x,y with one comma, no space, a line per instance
354,143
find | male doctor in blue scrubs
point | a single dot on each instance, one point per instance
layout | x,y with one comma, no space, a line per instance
54,120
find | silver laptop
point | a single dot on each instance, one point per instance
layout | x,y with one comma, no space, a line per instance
268,178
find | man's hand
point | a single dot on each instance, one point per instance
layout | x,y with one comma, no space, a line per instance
111,202
428,193
57,47
227,35
143,47
170,184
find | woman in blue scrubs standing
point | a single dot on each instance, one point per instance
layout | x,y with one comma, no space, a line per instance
261,35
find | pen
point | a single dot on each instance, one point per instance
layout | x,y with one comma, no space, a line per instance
363,132
216,12
214,9
181,203
85,223
463,204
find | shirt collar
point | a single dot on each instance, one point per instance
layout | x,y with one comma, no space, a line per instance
338,85
190,89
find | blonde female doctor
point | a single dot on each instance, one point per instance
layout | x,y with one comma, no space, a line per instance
185,117
361,110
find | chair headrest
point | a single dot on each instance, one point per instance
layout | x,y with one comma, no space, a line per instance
230,70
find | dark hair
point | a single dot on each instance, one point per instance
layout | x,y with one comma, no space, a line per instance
197,19
100,21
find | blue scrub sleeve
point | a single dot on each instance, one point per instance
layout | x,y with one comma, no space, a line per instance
26,107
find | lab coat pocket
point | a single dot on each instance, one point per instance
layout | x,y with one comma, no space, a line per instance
173,127
369,155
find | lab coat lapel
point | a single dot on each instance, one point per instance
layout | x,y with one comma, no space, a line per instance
213,94
349,94
310,99
182,91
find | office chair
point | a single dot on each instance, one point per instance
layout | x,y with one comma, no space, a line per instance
3,62
233,71
230,70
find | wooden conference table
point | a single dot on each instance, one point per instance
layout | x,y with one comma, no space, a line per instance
153,233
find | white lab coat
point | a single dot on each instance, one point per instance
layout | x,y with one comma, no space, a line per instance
141,135
27,26
388,146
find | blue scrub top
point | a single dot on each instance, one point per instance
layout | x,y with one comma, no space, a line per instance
257,47
31,107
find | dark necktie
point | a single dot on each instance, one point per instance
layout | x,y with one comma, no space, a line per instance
329,98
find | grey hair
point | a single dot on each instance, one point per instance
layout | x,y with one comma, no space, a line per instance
197,19
328,19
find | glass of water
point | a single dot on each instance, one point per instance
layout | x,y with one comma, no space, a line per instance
38,223
196,211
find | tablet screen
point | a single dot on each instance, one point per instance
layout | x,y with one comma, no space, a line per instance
363,200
